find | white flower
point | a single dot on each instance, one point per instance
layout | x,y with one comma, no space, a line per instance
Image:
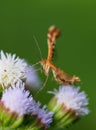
72,99
14,69
16,99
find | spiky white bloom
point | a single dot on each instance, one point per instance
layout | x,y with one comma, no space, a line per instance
72,99
16,99
45,116
14,69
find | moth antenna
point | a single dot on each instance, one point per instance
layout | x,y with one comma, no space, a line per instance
42,86
35,64
38,69
38,47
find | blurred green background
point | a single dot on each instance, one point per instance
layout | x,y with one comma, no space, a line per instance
75,49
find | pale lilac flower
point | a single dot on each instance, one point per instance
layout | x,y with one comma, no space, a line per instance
17,100
45,116
32,80
72,99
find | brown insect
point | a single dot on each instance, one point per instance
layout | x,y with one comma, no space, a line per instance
60,76
53,33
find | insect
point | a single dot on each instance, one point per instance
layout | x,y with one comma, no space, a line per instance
60,76
53,33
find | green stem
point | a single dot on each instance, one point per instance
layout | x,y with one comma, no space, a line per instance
2,128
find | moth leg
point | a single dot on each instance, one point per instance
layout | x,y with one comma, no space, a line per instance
44,84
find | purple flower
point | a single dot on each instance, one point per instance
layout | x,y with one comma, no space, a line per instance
17,100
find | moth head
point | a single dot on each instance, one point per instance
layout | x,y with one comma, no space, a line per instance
45,66
43,63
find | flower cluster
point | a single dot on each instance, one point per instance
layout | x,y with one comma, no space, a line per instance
72,99
17,103
70,104
17,100
13,70
18,109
